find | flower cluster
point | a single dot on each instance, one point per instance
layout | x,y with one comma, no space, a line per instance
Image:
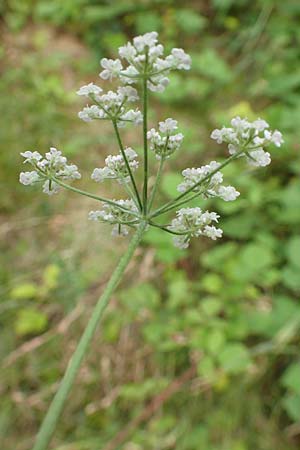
167,141
115,167
53,166
122,219
110,106
249,139
192,222
207,180
144,57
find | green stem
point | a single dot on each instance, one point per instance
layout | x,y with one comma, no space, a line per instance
95,197
50,421
145,127
157,181
127,164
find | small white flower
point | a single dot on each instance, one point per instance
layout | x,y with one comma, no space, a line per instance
227,193
179,59
212,232
29,178
147,39
112,68
129,93
129,75
127,51
114,215
259,158
249,139
31,157
115,167
53,165
88,89
192,222
164,146
277,138
91,112
134,116
158,83
168,126
50,187
260,124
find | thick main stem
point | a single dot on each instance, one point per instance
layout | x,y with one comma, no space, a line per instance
50,421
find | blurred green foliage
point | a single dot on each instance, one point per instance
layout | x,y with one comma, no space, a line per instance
231,309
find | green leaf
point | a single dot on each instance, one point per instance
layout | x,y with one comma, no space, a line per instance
211,306
291,404
212,283
253,260
211,65
189,21
291,377
24,291
206,367
290,278
293,251
215,341
50,276
30,321
234,358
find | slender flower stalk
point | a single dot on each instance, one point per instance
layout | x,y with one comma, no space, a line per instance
88,194
137,196
145,129
142,64
156,183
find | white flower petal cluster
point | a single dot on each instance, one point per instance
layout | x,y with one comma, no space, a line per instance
144,56
164,142
54,165
211,186
115,167
111,105
252,137
118,217
192,222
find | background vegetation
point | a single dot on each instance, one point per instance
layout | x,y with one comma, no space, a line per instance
199,349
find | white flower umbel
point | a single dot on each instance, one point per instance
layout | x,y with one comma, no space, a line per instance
110,106
208,186
165,142
144,57
113,215
53,166
192,222
115,167
249,139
